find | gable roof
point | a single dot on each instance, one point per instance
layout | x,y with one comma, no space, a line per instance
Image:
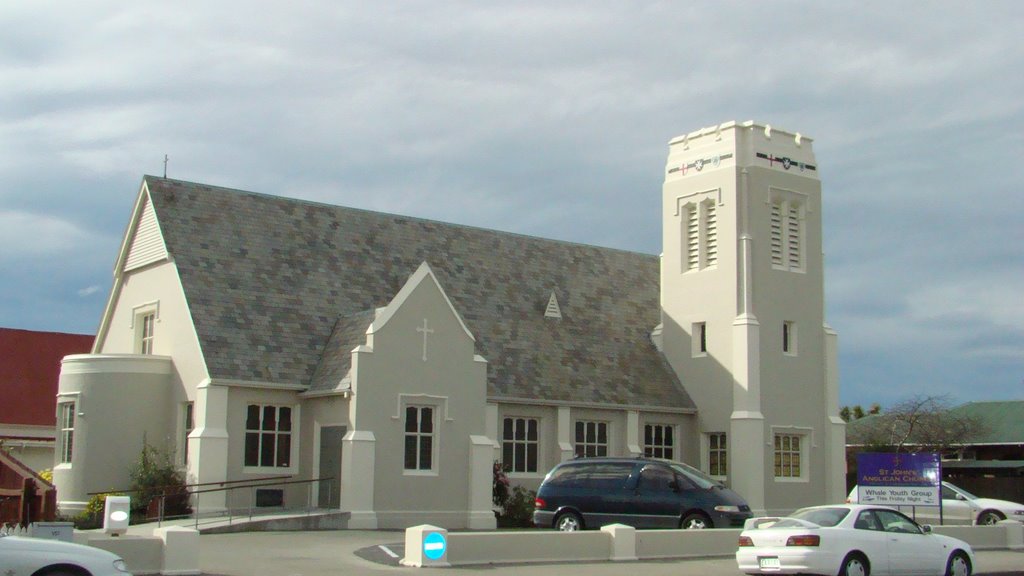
272,281
29,372
1002,421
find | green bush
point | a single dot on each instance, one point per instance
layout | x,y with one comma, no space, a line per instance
518,509
154,475
92,516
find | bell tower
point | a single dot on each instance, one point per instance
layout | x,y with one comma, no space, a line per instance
743,312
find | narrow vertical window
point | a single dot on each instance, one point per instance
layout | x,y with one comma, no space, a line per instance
659,441
419,438
591,438
145,326
717,454
776,233
692,238
710,244
520,444
789,338
268,436
699,339
67,431
787,232
187,425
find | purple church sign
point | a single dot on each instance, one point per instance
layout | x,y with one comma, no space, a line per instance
899,479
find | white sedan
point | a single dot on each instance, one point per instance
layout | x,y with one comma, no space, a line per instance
22,556
849,540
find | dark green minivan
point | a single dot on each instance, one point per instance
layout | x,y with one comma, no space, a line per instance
638,492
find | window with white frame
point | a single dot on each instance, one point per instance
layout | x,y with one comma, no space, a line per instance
268,436
659,441
591,438
718,454
144,329
187,425
700,235
419,438
520,444
789,338
788,455
787,231
67,431
699,339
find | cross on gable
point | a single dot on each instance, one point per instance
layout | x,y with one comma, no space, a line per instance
426,332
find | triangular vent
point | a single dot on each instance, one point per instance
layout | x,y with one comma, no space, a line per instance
553,310
147,244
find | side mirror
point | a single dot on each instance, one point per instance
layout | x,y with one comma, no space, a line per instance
926,528
960,496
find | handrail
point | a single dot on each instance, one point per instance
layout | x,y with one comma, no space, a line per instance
129,490
235,485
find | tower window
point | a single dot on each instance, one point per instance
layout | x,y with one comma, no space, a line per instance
700,235
699,336
789,338
787,233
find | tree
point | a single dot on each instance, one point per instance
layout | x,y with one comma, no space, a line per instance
920,423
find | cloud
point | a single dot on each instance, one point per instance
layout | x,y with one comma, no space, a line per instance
25,235
549,119
89,291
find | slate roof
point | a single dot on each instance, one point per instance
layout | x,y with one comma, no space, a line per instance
281,290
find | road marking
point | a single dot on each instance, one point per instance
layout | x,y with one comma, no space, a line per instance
387,551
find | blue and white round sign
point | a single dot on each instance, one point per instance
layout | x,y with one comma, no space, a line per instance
434,545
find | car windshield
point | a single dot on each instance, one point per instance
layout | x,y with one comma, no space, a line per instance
825,517
964,492
699,478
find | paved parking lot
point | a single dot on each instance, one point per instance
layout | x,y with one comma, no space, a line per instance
360,553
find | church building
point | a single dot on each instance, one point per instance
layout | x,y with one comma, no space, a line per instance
396,359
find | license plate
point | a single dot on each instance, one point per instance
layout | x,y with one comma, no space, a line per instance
769,563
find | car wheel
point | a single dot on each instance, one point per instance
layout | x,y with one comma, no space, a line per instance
568,522
695,521
989,517
959,564
855,565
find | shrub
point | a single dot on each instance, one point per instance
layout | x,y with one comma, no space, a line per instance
92,516
518,509
154,475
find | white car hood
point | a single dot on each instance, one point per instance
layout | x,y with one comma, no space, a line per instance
54,548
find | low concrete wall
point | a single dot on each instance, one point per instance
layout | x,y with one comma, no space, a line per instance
142,554
652,544
171,551
1007,534
505,547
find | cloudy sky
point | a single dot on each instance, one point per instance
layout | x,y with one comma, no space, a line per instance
547,118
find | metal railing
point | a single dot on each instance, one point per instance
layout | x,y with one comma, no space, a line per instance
228,486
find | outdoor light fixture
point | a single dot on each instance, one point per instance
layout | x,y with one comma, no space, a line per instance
115,515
